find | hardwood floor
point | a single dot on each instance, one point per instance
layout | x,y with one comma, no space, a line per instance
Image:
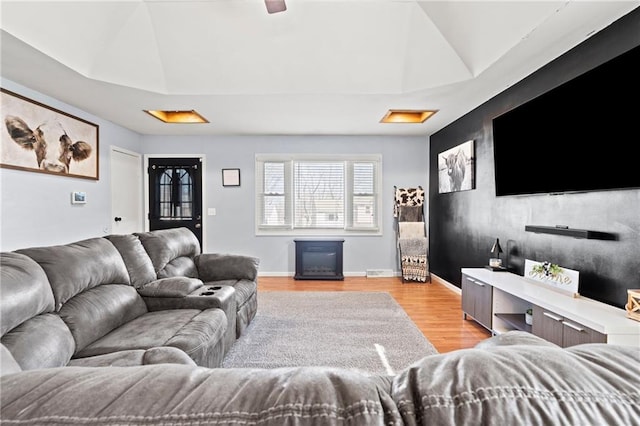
433,307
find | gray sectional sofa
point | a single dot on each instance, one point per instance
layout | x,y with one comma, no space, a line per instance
132,299
517,379
125,330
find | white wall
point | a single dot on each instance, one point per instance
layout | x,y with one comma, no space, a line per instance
36,208
404,164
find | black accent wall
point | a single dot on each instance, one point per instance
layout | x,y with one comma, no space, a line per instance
463,225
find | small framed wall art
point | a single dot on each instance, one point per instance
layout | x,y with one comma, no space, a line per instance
230,177
78,197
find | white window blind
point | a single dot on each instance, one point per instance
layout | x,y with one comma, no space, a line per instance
300,194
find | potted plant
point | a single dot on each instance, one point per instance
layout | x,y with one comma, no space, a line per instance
528,316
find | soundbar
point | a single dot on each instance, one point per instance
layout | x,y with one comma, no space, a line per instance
570,232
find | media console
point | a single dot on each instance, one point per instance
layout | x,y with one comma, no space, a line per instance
498,301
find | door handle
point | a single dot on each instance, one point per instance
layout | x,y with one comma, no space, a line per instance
117,219
552,316
575,327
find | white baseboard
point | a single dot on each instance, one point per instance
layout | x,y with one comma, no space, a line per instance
275,274
346,274
446,283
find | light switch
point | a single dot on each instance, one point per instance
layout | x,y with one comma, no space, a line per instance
211,211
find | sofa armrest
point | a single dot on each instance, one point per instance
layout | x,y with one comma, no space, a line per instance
216,267
588,384
170,287
182,394
202,297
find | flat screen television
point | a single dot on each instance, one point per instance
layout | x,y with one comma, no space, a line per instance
580,136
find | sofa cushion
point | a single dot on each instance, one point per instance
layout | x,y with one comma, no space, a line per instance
515,337
98,310
190,330
202,338
172,251
25,290
590,384
76,267
135,258
170,287
160,355
8,364
40,342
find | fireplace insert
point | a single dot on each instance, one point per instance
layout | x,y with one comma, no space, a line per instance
319,260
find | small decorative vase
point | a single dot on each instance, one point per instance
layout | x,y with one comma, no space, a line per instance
528,318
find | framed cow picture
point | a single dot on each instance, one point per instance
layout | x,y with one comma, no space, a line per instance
39,138
456,168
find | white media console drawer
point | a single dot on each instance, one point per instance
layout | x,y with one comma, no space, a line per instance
512,295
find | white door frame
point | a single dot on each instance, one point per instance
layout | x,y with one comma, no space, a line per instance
138,184
203,191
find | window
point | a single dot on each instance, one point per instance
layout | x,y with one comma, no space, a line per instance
303,194
174,193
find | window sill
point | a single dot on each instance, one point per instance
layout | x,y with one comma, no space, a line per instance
317,233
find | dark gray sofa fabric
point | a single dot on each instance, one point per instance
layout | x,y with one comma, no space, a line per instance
136,259
523,384
517,383
34,335
41,342
175,253
8,364
171,251
95,309
155,355
76,267
25,290
98,311
240,272
217,267
182,395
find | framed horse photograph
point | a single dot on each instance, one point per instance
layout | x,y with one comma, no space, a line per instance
39,138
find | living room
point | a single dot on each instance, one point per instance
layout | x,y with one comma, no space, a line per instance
31,203
36,211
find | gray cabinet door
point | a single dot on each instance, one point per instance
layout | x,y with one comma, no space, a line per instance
477,300
561,331
468,288
575,334
547,325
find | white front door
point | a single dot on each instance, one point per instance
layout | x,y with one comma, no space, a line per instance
126,192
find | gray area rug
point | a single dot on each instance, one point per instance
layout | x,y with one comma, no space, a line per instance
364,331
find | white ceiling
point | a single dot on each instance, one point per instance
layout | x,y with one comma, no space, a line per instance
320,67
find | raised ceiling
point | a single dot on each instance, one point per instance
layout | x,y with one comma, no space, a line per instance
320,67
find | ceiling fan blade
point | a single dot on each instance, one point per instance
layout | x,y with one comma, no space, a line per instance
275,6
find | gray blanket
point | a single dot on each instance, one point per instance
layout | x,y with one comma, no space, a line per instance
413,246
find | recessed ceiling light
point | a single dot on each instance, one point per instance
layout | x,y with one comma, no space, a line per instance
407,115
188,116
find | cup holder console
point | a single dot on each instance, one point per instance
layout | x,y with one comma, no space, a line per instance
211,290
